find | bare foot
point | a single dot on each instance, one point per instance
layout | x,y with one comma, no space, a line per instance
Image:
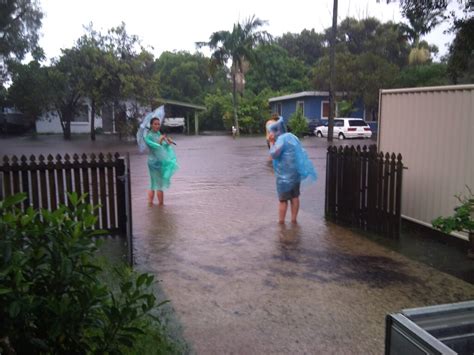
294,222
281,222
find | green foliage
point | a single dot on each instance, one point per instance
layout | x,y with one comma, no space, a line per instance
218,107
187,77
30,92
461,59
307,46
274,69
254,111
51,297
370,36
238,47
422,16
359,76
345,108
20,22
422,75
298,123
463,218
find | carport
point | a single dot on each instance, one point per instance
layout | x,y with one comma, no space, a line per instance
175,108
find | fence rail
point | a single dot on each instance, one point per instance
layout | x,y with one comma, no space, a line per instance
363,188
47,180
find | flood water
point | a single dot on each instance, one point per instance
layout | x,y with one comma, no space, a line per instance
241,283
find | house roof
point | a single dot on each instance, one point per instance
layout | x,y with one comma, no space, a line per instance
181,104
301,94
298,94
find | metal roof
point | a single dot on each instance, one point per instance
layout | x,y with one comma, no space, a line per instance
180,103
301,94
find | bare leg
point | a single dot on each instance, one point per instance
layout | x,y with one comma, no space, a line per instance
295,207
151,194
282,211
161,197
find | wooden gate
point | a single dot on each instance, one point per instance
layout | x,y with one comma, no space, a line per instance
363,188
105,178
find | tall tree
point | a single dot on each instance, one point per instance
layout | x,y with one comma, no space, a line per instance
186,77
278,71
307,46
460,57
422,17
386,40
30,91
65,81
20,21
238,47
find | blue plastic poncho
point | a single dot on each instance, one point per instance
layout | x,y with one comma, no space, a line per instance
290,160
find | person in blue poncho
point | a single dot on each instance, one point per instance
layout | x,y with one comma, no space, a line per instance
291,165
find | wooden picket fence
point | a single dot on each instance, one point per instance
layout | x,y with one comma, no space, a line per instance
105,178
364,188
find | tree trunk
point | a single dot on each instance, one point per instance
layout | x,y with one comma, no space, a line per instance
93,120
470,251
67,126
234,103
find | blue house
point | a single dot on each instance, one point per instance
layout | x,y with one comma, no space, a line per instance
314,104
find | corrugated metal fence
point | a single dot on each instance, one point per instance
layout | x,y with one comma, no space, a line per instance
363,188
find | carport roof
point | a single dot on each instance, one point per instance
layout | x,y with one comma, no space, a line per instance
181,104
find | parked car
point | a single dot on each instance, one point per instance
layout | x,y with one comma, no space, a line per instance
174,124
12,121
346,128
312,124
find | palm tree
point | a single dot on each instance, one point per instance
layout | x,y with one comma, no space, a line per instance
422,17
237,46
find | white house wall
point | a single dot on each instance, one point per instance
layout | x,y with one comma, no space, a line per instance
433,129
50,123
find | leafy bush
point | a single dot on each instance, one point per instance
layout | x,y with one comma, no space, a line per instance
51,297
298,123
462,220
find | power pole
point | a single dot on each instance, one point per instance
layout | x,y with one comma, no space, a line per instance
332,49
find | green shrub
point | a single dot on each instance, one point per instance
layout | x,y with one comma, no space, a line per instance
298,123
52,299
463,218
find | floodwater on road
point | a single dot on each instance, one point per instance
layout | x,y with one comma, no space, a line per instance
241,283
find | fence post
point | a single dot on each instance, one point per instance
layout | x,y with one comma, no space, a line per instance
398,195
128,211
120,183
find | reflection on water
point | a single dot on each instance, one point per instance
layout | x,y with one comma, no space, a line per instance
240,282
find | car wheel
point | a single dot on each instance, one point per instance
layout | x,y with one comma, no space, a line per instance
341,136
319,134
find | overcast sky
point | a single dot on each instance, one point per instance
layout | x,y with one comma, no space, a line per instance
178,24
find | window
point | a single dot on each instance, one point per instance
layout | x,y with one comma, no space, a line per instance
300,106
83,114
357,123
324,109
278,107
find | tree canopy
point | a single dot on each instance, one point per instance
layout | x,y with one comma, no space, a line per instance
20,21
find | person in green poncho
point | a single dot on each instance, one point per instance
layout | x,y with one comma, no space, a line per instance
162,163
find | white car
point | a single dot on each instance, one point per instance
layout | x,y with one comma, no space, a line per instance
176,124
346,128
